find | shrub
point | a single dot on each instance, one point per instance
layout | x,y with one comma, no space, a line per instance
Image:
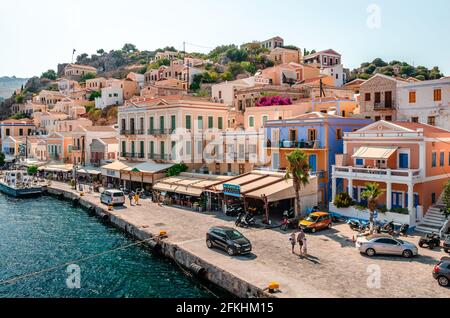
343,200
273,100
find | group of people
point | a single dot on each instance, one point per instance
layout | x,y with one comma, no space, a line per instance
300,239
134,196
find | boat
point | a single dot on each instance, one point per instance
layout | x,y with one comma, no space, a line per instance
19,184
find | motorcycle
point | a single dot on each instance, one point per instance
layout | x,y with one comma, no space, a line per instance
245,220
234,210
388,227
357,225
430,240
403,230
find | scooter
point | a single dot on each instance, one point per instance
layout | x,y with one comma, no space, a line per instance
241,220
403,230
357,225
387,228
234,210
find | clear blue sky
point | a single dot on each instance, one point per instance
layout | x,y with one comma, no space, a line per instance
37,35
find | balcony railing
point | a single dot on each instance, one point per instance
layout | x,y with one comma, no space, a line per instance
164,157
313,144
130,155
385,105
406,175
161,131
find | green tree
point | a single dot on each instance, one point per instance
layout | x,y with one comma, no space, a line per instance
298,168
370,69
32,170
249,67
446,199
129,48
2,158
101,51
94,95
19,99
372,193
236,55
87,76
50,74
379,62
176,170
235,69
227,76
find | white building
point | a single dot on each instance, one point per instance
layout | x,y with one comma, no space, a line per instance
111,95
425,102
337,73
330,63
225,92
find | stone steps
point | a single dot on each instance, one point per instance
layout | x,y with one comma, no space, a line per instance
433,220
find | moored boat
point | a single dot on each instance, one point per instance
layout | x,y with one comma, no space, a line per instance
18,183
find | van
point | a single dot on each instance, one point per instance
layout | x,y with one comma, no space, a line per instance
112,197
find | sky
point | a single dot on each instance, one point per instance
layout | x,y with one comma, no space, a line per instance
37,35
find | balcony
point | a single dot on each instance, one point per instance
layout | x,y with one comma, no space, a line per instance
130,155
164,157
377,174
313,144
385,105
161,131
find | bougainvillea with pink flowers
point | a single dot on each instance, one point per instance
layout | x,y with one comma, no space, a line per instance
273,101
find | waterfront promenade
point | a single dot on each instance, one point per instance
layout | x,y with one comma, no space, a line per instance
334,269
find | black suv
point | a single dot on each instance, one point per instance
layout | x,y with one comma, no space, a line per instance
441,272
228,239
446,245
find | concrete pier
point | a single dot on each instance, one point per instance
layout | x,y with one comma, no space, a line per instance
333,267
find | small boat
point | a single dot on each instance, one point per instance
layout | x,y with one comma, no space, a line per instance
19,184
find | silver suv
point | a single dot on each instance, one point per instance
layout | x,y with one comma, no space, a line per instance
387,245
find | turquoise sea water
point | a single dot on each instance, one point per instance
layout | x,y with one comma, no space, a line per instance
40,233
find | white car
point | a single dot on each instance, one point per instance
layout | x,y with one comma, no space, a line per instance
112,197
383,244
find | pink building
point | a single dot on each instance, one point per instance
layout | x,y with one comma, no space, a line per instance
410,161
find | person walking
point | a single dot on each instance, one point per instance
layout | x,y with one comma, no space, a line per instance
300,237
130,197
292,239
305,247
136,198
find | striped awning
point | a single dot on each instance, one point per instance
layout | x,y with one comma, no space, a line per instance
375,152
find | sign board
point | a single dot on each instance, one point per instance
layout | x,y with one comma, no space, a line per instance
232,190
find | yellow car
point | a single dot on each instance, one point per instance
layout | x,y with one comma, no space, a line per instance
316,221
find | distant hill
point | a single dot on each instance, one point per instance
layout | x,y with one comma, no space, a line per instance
395,68
9,84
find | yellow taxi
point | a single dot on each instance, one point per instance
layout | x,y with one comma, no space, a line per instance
316,221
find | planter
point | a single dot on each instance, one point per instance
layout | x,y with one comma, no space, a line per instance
353,213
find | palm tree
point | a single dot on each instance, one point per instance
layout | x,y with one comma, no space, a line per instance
372,193
298,167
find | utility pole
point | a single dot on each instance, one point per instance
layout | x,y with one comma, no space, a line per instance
322,92
184,52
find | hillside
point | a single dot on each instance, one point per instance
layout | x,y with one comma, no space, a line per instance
395,68
9,84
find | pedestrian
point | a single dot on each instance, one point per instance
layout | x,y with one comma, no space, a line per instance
284,224
136,198
305,247
300,237
292,240
130,196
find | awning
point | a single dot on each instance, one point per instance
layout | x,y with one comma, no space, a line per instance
181,189
276,192
148,167
57,168
375,152
92,171
117,166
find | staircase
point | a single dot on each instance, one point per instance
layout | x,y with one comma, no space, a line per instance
433,220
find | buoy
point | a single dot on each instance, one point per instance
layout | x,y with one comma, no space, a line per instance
81,194
162,233
110,207
273,287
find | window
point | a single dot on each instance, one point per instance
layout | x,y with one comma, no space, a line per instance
437,95
152,124
188,148
377,118
367,97
433,198
359,162
412,97
200,122
188,121
265,118
251,121
377,97
241,168
161,122
220,94
161,148
7,132
403,159
433,159
173,122
441,158
152,148
312,135
124,148
220,123
210,122
20,132
432,120
338,134
414,119
141,149
388,118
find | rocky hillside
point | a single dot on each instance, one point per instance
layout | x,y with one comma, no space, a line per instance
9,84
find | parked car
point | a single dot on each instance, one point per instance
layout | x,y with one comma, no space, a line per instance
316,221
112,197
229,240
446,245
384,244
441,272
